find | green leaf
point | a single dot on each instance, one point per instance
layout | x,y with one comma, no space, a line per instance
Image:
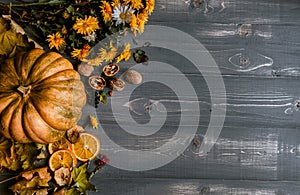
72,191
103,97
80,176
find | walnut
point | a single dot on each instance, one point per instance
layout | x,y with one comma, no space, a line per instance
97,82
116,84
111,69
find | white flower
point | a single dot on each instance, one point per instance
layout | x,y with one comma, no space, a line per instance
90,37
122,14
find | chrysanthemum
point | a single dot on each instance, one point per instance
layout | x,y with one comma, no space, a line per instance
142,19
125,55
133,24
122,14
55,40
81,53
106,11
108,55
115,3
87,25
150,6
134,4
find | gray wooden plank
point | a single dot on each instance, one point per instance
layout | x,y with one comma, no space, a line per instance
194,187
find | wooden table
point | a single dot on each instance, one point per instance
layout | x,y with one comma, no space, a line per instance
256,47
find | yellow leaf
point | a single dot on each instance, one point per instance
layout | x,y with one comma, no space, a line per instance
9,41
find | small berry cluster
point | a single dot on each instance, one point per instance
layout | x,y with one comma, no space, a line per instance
103,160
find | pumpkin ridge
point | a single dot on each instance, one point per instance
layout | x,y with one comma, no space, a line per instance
67,93
25,62
6,117
34,123
16,127
6,98
69,118
60,76
40,64
57,65
30,133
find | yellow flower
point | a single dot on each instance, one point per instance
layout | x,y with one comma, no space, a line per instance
108,55
133,24
106,11
125,55
135,4
81,53
115,3
94,62
55,40
150,6
142,18
86,26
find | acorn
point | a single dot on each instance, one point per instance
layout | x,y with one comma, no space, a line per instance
116,84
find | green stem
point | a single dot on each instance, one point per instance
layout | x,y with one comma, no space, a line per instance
37,4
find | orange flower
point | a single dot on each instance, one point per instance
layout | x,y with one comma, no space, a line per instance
81,53
55,40
125,55
106,11
150,6
135,4
86,26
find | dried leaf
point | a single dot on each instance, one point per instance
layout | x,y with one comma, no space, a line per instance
43,173
27,154
94,122
62,176
80,176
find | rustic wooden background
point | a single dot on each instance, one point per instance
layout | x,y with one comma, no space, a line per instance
256,46
258,151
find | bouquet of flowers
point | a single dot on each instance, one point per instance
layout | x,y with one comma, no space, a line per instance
73,27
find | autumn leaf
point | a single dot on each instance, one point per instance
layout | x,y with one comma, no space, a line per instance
94,122
8,157
9,41
3,25
80,176
27,154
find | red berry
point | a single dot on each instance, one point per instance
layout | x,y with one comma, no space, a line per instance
110,93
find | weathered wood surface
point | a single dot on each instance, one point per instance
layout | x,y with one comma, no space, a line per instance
258,151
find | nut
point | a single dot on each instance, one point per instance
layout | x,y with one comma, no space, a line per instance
133,77
116,84
97,82
85,69
111,69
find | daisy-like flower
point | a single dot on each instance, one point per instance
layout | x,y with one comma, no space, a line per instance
81,53
106,11
91,37
86,26
125,55
55,40
150,6
122,14
134,4
108,55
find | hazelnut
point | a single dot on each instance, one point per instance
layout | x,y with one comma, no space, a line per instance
97,82
85,69
133,77
111,69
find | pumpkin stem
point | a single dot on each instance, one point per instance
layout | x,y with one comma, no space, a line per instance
24,90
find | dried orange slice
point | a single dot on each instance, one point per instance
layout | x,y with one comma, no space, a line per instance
87,147
62,158
58,145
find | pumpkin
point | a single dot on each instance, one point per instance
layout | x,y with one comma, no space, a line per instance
41,97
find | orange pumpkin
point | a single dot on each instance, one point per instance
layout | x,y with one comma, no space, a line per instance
41,97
